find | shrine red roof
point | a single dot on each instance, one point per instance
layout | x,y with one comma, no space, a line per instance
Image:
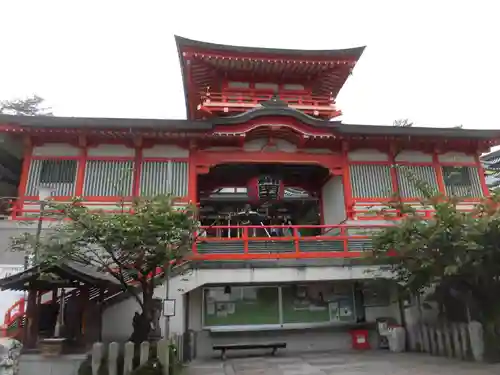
203,64
86,125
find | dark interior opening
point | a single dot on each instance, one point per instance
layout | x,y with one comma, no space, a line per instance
226,193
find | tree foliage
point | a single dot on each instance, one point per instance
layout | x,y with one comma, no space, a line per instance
29,106
403,123
455,253
127,246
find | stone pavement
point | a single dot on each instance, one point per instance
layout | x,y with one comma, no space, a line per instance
346,363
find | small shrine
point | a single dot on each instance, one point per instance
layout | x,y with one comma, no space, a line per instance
72,317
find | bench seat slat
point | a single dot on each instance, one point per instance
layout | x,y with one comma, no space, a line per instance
280,345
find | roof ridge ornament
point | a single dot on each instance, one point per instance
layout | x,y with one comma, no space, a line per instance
274,102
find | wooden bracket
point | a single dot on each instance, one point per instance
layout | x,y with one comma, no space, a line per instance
138,141
82,141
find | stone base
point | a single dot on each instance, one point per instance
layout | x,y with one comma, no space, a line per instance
51,347
66,364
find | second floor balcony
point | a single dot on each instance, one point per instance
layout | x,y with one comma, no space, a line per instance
238,242
221,103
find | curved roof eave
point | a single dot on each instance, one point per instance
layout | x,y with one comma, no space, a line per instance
272,111
103,123
357,130
396,131
331,53
53,122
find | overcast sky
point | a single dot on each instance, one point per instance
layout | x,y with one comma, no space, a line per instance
435,62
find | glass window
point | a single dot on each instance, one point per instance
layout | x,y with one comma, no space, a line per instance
58,171
317,303
241,305
457,175
462,181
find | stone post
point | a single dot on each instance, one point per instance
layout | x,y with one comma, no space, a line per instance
10,351
476,336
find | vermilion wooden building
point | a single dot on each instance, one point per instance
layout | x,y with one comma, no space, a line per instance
288,194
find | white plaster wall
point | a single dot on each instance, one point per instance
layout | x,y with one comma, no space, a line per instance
111,150
181,285
375,312
285,146
413,156
367,155
456,157
255,144
298,340
56,149
165,151
195,321
222,148
117,320
389,311
262,144
319,151
332,195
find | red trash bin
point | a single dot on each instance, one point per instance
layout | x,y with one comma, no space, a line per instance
359,339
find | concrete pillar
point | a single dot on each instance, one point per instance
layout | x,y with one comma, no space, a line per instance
176,322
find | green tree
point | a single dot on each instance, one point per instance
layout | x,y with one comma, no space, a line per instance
403,123
130,247
456,254
29,106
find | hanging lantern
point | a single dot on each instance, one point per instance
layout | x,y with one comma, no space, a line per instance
265,188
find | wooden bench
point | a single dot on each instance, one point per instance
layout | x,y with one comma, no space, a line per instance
274,346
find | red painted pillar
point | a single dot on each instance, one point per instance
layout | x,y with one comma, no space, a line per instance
393,171
136,184
82,165
346,181
21,191
192,175
482,177
439,173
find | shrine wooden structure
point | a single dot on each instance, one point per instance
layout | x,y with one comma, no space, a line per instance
82,323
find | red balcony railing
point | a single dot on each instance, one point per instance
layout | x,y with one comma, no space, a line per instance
236,242
232,242
323,106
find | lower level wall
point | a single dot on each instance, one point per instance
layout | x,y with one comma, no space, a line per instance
297,341
36,364
186,289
